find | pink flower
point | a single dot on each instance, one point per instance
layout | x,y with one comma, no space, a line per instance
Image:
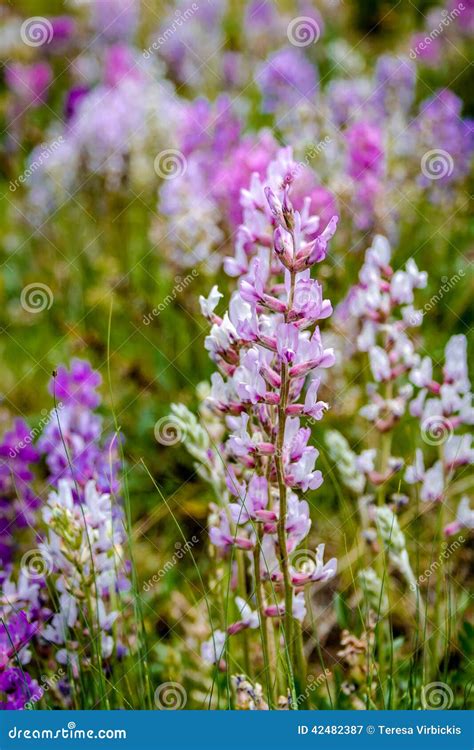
315,570
30,83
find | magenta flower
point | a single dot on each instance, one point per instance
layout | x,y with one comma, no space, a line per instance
29,83
16,688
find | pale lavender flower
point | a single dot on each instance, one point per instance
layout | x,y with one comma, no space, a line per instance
286,79
464,518
212,651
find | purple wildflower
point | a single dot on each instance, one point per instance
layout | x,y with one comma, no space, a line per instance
29,83
18,502
440,129
72,441
395,79
16,689
286,78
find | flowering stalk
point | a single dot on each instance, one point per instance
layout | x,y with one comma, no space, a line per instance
444,409
381,306
84,553
259,593
83,546
267,348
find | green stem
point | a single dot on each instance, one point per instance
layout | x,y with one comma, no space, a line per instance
439,610
263,623
383,625
300,657
243,593
281,526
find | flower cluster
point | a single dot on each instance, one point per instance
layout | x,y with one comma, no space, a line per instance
445,29
443,409
17,629
440,122
345,460
86,531
365,154
381,305
183,35
72,443
219,163
380,143
114,132
29,83
287,79
71,590
84,549
18,501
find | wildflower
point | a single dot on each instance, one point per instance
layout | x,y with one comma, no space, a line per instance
371,585
315,570
16,689
443,407
72,441
267,349
212,650
395,79
344,460
464,518
85,548
378,302
113,133
29,83
439,121
394,541
248,697
16,631
248,618
218,165
18,501
286,78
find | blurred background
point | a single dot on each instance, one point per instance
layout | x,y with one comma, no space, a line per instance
93,264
